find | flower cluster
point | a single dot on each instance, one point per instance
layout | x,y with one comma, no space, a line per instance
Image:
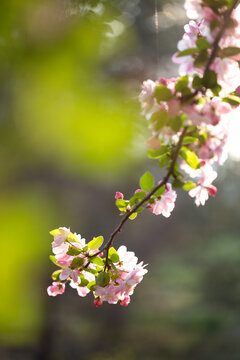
188,117
196,107
86,270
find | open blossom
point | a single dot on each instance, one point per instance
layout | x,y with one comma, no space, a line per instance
129,274
204,187
146,97
57,288
166,202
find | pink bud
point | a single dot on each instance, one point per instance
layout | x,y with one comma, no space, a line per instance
238,90
125,301
118,195
202,163
98,302
212,190
138,190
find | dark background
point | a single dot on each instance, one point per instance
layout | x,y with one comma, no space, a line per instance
71,136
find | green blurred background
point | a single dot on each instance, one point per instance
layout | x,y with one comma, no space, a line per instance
72,135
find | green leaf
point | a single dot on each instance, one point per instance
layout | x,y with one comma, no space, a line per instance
163,160
177,183
84,282
202,43
96,242
232,100
97,261
147,181
55,232
189,185
92,271
72,237
73,251
103,279
187,52
159,119
160,191
133,216
55,275
113,255
189,140
182,83
54,260
230,51
209,79
77,263
176,123
121,204
197,82
190,157
140,195
201,59
91,285
162,93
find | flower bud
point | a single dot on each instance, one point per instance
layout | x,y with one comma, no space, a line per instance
97,302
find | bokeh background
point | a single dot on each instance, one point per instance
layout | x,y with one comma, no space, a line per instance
71,135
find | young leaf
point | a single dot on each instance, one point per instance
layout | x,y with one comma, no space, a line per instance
96,242
97,261
113,255
162,93
187,52
190,157
189,140
72,251
147,181
189,185
209,79
230,51
133,216
91,285
160,191
103,279
77,263
54,260
163,160
84,282
159,119
202,43
55,275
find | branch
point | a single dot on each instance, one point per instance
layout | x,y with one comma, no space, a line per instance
147,197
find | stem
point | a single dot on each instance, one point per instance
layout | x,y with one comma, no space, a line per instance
147,197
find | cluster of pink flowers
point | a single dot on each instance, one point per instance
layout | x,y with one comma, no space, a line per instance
199,100
188,117
81,266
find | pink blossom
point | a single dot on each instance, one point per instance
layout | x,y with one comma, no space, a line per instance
97,302
166,202
193,9
57,288
153,143
125,301
61,236
70,273
119,195
228,73
146,97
